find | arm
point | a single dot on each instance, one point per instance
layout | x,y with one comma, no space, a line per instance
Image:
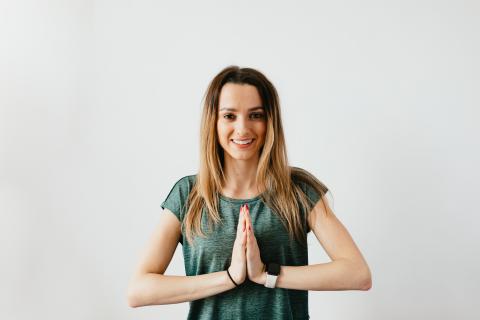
340,274
149,285
348,269
155,289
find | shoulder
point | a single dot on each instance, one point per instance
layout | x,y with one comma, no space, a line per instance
306,180
177,198
188,180
311,186
183,186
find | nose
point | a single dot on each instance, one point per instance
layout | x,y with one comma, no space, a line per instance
241,126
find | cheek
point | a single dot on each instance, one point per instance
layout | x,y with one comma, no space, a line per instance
221,132
262,130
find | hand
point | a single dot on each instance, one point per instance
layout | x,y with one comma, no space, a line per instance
255,266
238,265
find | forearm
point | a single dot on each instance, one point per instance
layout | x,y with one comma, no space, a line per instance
340,274
155,289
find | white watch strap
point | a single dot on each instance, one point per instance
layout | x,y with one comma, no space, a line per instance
271,280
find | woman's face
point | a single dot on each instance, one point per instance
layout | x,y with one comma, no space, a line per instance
241,124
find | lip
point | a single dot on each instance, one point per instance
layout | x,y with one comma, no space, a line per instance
240,146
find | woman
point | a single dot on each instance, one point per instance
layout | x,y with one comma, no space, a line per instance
243,219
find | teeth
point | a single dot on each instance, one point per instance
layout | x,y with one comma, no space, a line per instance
242,141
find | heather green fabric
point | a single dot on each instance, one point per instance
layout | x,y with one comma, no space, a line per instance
212,254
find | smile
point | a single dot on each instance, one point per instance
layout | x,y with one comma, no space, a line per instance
242,142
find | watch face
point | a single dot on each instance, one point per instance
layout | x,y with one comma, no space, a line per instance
273,268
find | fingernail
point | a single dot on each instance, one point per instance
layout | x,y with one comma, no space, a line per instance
246,205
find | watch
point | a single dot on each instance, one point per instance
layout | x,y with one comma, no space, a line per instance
273,270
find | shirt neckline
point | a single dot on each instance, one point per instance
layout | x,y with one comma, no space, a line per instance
234,200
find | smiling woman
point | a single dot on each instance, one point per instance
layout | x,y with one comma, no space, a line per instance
241,128
243,218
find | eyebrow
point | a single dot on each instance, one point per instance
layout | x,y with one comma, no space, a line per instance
233,109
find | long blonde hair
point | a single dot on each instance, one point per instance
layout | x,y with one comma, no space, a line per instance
280,181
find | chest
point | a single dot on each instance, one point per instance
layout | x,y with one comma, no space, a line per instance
271,235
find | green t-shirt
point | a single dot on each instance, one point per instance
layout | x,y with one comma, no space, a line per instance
212,254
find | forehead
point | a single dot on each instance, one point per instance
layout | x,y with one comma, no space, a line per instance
239,96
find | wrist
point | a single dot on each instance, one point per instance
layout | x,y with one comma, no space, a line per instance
262,277
272,274
231,281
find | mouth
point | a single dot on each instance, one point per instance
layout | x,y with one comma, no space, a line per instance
244,142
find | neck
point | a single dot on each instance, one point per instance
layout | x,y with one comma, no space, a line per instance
240,177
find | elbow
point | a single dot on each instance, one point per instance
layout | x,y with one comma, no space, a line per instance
361,277
365,282
132,299
133,296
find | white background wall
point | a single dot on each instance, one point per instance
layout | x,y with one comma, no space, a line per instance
100,111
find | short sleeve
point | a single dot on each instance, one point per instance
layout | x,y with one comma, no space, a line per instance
312,195
176,199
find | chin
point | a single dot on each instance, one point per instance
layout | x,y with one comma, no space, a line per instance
241,156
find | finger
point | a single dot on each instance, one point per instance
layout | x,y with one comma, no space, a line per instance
240,215
241,222
244,239
251,234
244,219
250,226
250,243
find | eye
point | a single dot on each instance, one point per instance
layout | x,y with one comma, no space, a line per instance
257,115
228,116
